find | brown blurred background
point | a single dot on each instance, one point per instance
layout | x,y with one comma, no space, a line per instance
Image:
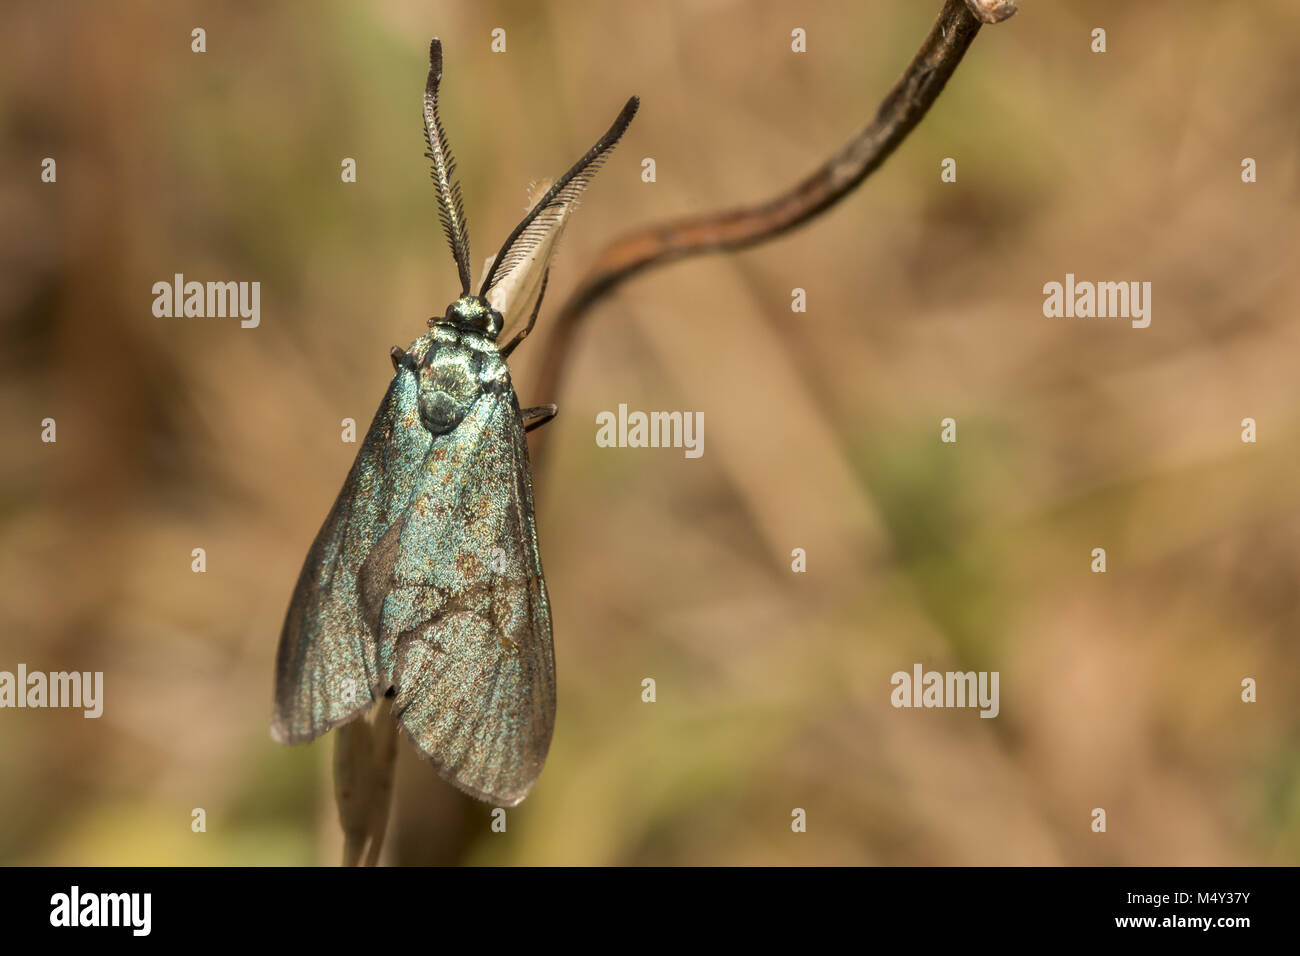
1118,691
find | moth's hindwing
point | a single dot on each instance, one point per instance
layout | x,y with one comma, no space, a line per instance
327,663
465,632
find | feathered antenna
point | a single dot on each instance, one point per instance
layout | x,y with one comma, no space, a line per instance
451,206
551,209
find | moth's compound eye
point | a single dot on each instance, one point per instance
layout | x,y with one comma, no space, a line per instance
448,389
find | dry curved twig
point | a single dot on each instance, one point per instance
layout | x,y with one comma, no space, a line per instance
898,114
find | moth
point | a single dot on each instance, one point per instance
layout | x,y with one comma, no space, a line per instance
425,582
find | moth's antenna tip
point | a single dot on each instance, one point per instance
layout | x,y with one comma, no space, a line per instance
435,56
624,118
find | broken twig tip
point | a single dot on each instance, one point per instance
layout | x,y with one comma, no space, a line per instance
991,11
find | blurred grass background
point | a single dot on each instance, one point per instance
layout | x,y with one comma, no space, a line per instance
1118,691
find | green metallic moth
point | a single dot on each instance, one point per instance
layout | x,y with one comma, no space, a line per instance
425,582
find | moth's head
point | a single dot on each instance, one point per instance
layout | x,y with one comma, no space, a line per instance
472,313
517,274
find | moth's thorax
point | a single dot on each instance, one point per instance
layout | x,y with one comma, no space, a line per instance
453,367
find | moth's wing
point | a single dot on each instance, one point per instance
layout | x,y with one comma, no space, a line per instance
329,635
465,633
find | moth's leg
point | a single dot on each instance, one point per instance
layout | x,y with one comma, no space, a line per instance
538,415
532,320
396,354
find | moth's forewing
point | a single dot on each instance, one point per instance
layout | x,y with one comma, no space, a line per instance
466,628
426,578
327,663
